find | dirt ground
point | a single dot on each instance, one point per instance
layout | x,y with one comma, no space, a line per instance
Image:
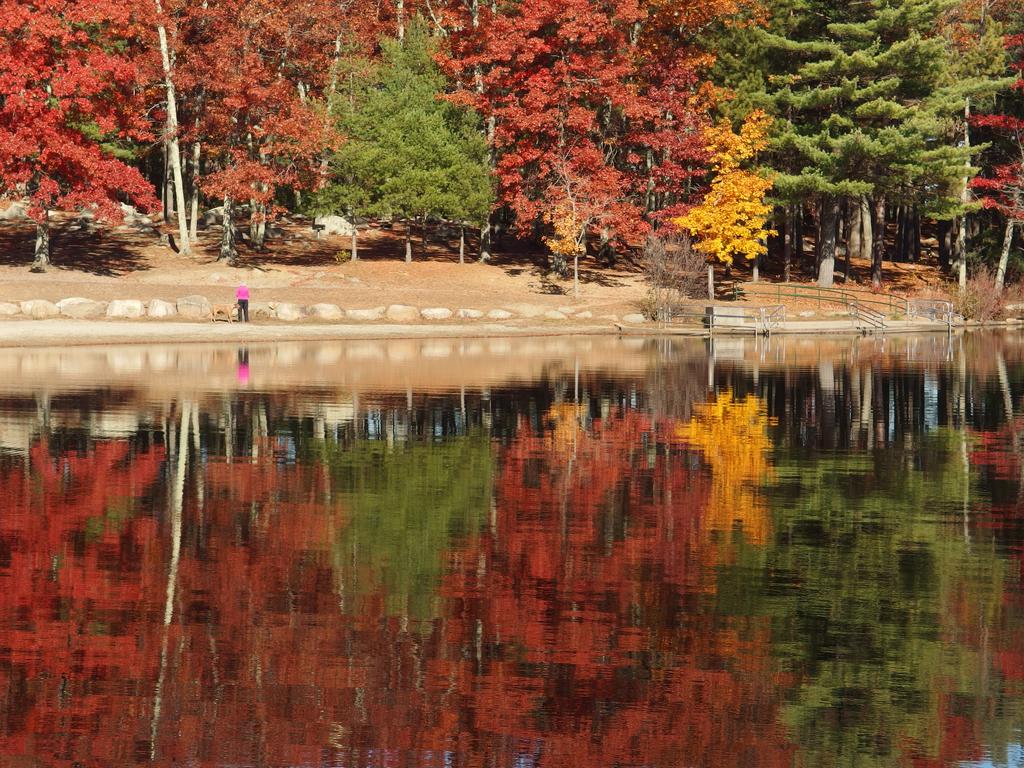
122,263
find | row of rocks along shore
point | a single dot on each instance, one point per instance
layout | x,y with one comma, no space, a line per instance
199,308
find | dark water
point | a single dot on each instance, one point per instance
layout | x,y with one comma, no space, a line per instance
514,554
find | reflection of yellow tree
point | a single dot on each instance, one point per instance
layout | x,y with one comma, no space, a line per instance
732,434
565,420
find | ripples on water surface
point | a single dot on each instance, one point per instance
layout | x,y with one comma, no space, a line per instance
519,554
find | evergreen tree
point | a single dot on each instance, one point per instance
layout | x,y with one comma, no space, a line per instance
866,108
409,152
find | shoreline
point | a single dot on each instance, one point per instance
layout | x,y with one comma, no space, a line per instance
81,333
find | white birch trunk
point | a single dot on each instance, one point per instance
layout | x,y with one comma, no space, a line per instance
1004,254
965,198
171,139
193,229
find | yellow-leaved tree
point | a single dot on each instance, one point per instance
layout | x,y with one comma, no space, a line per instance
729,222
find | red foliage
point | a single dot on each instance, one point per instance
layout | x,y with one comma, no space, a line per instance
609,93
250,74
69,72
1002,186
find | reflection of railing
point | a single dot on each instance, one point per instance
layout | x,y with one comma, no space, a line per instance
886,303
870,317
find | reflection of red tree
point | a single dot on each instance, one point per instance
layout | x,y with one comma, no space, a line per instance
589,604
258,620
78,568
577,627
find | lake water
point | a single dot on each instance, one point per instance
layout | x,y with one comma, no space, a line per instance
533,553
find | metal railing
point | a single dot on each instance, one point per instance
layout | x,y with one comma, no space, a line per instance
761,320
938,310
870,317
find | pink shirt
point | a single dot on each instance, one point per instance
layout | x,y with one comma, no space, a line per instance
242,294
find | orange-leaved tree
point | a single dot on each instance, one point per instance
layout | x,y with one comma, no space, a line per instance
730,221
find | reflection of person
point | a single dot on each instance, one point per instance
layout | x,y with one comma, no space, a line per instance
242,297
243,366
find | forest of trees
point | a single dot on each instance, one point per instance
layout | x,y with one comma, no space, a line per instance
882,130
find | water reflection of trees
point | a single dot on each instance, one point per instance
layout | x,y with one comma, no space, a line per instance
740,562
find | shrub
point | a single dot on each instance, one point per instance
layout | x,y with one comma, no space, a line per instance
674,271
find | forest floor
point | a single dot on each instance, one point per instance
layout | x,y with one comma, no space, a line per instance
122,263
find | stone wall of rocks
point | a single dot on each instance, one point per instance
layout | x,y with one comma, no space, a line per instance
199,308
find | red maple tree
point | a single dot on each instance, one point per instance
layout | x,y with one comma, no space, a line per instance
69,76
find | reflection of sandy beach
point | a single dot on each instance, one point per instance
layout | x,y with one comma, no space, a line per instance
401,365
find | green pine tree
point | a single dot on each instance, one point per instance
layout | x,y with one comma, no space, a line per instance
408,152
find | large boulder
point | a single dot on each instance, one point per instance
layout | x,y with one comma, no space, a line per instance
373,314
15,211
334,225
81,308
634,318
213,217
325,312
290,312
402,313
436,313
469,314
554,314
263,310
528,310
126,308
39,309
7,309
194,307
161,308
585,315
499,314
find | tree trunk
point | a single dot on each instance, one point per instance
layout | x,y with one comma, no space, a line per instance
228,252
711,282
853,233
901,234
257,224
193,229
355,240
789,243
400,19
42,252
462,244
945,244
915,236
171,139
960,264
828,216
485,241
408,243
1004,254
878,242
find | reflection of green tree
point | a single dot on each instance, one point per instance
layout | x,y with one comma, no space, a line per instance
878,596
406,505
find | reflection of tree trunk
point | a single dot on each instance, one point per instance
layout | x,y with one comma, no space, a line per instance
177,499
964,458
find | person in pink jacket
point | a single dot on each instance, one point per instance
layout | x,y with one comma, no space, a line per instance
242,297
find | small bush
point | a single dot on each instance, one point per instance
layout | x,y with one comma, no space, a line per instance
674,271
982,301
